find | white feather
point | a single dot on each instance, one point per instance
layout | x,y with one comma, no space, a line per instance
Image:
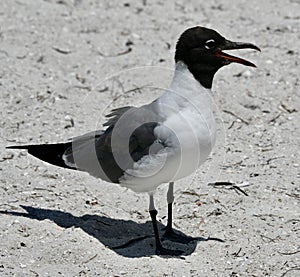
187,131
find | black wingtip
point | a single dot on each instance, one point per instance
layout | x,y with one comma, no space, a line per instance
50,153
17,147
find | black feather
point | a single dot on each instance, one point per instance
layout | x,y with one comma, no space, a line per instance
50,153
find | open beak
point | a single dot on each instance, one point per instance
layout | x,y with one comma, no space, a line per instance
229,45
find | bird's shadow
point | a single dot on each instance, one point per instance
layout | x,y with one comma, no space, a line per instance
125,237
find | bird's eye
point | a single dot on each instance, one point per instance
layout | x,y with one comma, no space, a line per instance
209,44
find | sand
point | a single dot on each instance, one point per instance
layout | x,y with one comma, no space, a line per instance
65,64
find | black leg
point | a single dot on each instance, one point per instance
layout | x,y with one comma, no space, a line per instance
170,199
169,231
169,227
159,249
153,214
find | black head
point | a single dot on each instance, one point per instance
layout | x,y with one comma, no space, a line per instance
201,50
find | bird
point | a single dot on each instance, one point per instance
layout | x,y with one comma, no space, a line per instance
141,148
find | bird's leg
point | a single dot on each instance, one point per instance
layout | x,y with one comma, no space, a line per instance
153,213
169,231
170,199
160,250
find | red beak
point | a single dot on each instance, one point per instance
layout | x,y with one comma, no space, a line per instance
229,45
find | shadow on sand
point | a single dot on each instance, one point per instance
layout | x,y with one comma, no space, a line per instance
115,234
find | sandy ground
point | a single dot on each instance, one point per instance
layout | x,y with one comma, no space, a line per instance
64,64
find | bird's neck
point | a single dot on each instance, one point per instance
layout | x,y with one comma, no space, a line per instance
185,92
186,85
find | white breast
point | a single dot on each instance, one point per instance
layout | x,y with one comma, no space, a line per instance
187,132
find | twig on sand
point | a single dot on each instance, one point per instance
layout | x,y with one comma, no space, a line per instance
130,90
289,253
93,257
228,185
291,269
240,190
236,116
272,159
287,109
294,195
128,50
236,254
8,157
269,239
275,118
231,125
61,51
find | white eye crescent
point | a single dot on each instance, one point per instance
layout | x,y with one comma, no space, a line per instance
209,44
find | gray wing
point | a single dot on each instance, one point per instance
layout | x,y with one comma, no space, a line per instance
112,119
107,154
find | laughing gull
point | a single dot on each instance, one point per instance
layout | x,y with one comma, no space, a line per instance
143,147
